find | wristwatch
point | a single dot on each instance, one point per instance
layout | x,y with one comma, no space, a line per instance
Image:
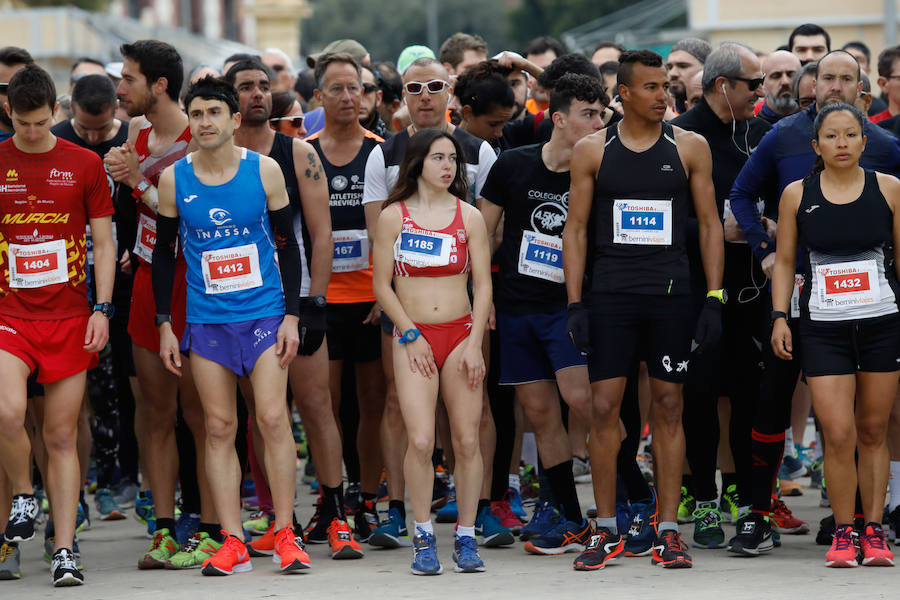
720,295
777,314
319,301
410,335
106,308
141,187
160,319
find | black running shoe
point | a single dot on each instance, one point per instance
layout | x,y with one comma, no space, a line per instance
826,531
24,510
670,552
365,521
754,536
603,547
317,529
64,570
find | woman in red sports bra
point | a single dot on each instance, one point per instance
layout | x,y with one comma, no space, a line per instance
427,243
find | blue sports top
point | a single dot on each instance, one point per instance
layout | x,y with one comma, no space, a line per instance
228,244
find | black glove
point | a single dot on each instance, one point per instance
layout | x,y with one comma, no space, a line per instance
709,326
577,327
312,326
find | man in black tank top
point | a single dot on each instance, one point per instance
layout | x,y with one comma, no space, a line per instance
635,182
308,195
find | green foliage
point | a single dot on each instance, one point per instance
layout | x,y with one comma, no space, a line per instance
533,18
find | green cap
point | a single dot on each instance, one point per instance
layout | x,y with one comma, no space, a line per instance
410,54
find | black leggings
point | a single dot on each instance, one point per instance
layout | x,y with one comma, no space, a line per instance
502,399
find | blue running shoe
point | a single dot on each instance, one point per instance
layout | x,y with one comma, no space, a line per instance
186,527
515,503
490,532
143,511
642,531
465,555
391,533
791,468
545,518
623,517
449,513
82,517
568,536
425,560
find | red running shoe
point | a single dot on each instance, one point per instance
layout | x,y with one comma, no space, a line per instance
341,539
265,544
670,552
503,511
232,557
875,549
289,551
784,521
844,547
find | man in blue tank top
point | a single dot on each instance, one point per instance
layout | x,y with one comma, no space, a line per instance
637,181
231,209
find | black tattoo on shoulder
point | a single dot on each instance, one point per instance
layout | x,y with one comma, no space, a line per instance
313,171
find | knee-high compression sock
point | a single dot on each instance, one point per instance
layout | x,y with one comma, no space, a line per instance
562,482
767,452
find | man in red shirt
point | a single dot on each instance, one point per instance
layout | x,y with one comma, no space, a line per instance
51,190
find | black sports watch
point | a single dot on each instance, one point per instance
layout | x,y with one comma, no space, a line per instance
319,301
160,319
106,308
778,314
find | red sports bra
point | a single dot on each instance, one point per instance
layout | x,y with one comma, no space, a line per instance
420,252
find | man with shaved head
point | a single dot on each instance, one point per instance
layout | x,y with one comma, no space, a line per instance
779,68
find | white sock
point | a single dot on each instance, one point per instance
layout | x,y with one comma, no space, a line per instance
894,482
465,531
788,442
427,527
514,483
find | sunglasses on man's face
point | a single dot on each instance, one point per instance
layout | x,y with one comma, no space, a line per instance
753,83
435,86
296,122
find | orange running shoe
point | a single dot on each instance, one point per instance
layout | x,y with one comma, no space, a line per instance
341,539
289,551
844,547
232,557
784,521
265,544
875,549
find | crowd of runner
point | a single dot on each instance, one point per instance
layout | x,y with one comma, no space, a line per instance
469,279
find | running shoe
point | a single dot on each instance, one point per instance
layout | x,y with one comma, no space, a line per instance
514,498
232,557
316,531
194,552
365,521
163,548
670,552
392,532
784,521
826,531
106,505
686,506
185,527
440,489
894,522
126,493
645,463
290,552
425,559
603,547
875,550
340,537
465,555
449,513
529,486
504,514
82,517
791,468
63,569
351,499
843,552
50,549
565,537
259,522
581,469
544,519
754,535
788,487
264,545
22,514
642,530
490,532
144,512
623,517
730,504
817,472
824,502
708,532
10,558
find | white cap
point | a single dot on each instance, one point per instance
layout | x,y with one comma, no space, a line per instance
114,69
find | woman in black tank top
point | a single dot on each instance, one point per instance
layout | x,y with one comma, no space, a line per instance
846,221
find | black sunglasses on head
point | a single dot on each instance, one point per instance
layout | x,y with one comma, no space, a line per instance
752,84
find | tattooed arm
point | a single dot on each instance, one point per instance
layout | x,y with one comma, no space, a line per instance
316,214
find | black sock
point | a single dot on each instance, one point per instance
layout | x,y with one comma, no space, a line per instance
298,528
81,496
767,451
483,503
214,530
333,502
437,456
687,482
367,497
398,504
728,479
562,481
166,523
